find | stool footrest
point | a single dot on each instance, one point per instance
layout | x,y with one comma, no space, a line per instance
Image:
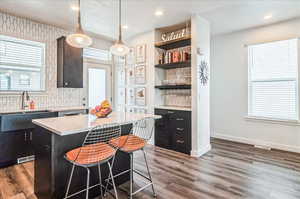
78,192
141,174
142,188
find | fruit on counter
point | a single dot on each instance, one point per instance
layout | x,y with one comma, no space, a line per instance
102,110
105,104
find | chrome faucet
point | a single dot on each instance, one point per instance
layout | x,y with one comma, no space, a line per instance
23,105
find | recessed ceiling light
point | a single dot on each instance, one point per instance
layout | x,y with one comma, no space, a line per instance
125,27
75,8
268,17
159,13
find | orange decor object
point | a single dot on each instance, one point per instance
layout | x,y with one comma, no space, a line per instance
102,110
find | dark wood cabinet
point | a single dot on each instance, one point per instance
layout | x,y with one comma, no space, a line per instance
14,145
16,136
173,130
69,65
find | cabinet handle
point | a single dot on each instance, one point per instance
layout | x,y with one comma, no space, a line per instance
180,129
25,136
30,135
179,119
180,141
171,112
66,83
47,147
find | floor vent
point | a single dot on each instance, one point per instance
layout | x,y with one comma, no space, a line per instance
263,147
25,159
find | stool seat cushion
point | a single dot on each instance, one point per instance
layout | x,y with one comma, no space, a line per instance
91,154
128,143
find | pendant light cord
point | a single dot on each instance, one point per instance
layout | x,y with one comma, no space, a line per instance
120,22
79,16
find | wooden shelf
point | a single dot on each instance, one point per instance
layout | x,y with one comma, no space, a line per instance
174,86
174,65
167,45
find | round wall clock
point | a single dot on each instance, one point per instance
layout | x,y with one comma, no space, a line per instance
203,73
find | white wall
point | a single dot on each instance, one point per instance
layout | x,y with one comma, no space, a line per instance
229,89
200,93
148,39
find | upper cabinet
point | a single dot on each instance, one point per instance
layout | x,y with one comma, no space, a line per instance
69,65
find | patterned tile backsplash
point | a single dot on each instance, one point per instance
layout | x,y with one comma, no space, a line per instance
52,97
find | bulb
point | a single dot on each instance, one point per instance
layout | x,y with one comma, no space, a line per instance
119,49
79,40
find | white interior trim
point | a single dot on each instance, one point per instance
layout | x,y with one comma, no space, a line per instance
264,144
272,120
202,151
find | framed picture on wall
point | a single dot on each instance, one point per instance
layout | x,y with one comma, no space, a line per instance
121,96
121,76
130,78
130,109
140,74
140,96
130,57
140,53
130,96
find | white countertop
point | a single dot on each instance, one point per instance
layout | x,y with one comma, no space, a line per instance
79,123
179,108
51,109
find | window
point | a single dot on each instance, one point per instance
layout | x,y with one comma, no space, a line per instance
273,80
94,53
22,65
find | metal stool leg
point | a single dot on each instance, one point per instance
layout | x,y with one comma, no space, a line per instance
154,194
113,180
100,180
87,183
70,179
131,175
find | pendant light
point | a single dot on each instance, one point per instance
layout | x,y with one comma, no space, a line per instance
119,48
79,39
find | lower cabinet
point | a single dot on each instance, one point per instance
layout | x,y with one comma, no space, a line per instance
173,130
16,140
14,145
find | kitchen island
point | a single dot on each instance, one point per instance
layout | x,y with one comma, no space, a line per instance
53,137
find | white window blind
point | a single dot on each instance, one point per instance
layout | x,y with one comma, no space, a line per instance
99,54
21,64
273,80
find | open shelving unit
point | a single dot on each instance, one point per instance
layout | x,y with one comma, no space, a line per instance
167,45
178,89
167,94
174,87
174,65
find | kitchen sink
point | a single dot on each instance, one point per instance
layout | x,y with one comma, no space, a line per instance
25,112
22,120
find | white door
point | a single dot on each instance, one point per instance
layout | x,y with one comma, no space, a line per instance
99,84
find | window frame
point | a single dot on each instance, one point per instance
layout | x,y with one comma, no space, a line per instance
43,45
279,120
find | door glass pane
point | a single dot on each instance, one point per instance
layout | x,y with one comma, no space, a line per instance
97,86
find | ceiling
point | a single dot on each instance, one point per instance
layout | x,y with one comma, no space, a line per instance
99,17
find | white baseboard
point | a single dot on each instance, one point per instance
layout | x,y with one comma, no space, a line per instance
271,145
198,153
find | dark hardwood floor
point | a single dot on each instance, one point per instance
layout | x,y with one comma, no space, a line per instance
230,170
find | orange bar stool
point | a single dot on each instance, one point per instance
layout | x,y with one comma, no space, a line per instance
95,151
140,134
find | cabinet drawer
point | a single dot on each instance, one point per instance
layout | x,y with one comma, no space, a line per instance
179,130
180,143
180,115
